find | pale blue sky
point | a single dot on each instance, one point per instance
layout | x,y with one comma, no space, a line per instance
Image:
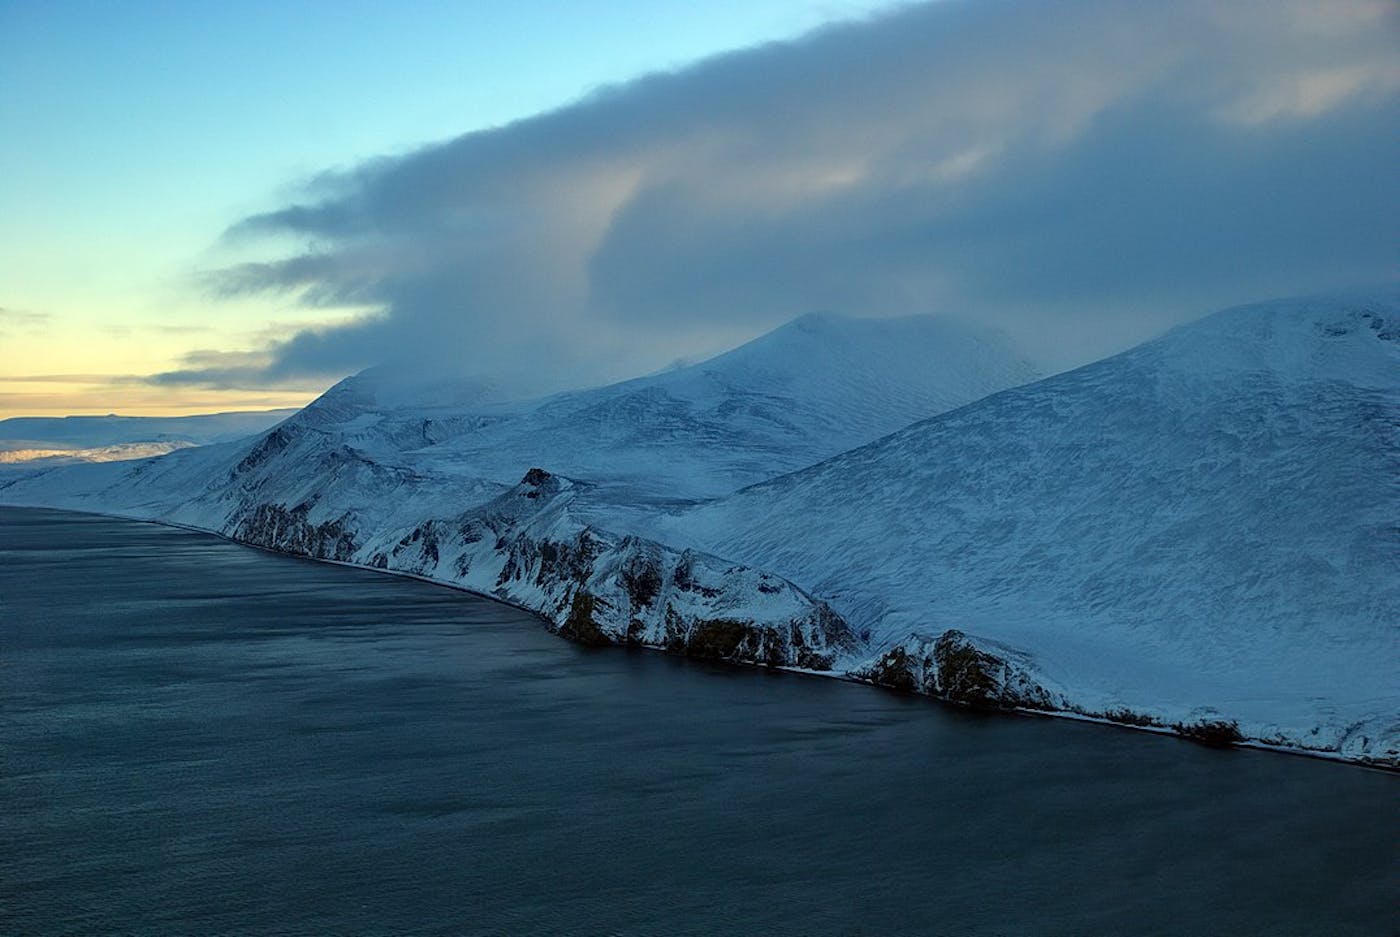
1081,174
132,133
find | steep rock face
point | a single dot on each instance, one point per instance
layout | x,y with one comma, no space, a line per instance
592,586
959,668
288,531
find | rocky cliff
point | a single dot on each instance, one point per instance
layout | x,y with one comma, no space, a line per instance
591,586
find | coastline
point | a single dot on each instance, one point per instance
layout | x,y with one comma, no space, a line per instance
842,675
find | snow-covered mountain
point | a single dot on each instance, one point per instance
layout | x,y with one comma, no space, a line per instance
1202,530
815,387
394,452
378,469
808,390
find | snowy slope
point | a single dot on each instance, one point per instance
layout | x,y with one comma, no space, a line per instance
808,390
1210,521
392,453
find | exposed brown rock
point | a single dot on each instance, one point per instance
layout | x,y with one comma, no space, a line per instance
579,625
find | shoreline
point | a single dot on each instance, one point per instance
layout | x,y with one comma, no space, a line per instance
846,677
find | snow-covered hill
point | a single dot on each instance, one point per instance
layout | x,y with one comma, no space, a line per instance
1203,529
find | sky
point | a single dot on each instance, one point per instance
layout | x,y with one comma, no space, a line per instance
133,134
208,207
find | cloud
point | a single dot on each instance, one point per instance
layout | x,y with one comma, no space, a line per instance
22,321
182,329
76,378
23,316
1081,174
238,370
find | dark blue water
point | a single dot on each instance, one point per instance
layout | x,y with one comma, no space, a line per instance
199,738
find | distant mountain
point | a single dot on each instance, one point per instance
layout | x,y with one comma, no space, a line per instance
810,389
25,459
94,432
1204,529
29,443
806,391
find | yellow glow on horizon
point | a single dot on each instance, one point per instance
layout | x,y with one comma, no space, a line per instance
61,364
54,399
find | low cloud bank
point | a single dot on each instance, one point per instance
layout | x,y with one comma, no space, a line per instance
1081,174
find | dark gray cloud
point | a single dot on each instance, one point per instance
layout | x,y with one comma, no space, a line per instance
1080,173
240,370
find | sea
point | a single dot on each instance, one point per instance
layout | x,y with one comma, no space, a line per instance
201,738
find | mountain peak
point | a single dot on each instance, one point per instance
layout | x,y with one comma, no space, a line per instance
815,321
1352,338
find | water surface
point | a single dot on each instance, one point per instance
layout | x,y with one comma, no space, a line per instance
200,738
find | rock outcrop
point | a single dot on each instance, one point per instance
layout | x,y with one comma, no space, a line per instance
590,585
288,530
959,668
